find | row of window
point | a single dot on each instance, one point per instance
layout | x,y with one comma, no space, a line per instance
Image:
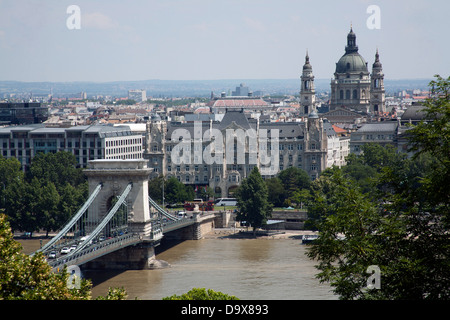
123,142
120,150
351,95
70,144
231,178
187,147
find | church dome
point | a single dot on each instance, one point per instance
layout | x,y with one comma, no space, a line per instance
351,62
307,65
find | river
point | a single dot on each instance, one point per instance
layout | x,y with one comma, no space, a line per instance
258,269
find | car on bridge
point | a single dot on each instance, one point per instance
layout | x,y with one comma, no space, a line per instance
65,250
52,255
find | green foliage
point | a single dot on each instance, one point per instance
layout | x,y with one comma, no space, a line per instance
24,277
398,219
60,168
155,188
174,190
289,188
294,179
114,294
126,102
205,194
201,294
276,191
252,201
45,198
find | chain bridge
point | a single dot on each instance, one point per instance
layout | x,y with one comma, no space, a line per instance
119,224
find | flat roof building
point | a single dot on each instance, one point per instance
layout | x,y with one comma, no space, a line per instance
88,142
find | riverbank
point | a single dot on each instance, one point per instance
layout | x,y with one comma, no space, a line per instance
242,233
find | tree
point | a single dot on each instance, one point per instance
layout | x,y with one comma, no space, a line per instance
276,191
155,188
53,189
294,179
47,205
252,201
432,136
205,193
59,168
365,168
342,210
176,192
402,229
10,173
24,277
201,294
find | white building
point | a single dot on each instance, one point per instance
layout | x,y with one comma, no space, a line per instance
137,95
85,142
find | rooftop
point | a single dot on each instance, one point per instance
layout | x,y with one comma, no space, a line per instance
388,126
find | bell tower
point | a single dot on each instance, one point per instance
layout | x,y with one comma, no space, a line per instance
377,92
307,90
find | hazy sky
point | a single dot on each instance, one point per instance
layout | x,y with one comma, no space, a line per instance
217,39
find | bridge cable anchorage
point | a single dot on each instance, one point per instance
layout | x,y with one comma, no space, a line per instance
105,220
73,221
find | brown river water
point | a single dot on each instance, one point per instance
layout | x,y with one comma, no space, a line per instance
250,269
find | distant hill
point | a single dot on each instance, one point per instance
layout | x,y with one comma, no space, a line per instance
177,88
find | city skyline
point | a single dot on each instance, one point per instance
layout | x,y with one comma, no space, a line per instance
213,40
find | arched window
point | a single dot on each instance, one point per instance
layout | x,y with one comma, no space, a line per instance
341,94
347,94
355,94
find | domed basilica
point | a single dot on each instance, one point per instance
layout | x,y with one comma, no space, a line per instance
353,87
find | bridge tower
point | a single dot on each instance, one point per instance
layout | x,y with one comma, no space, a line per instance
115,176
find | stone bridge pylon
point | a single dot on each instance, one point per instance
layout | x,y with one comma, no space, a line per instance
115,176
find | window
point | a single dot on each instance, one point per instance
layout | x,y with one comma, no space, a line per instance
355,94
